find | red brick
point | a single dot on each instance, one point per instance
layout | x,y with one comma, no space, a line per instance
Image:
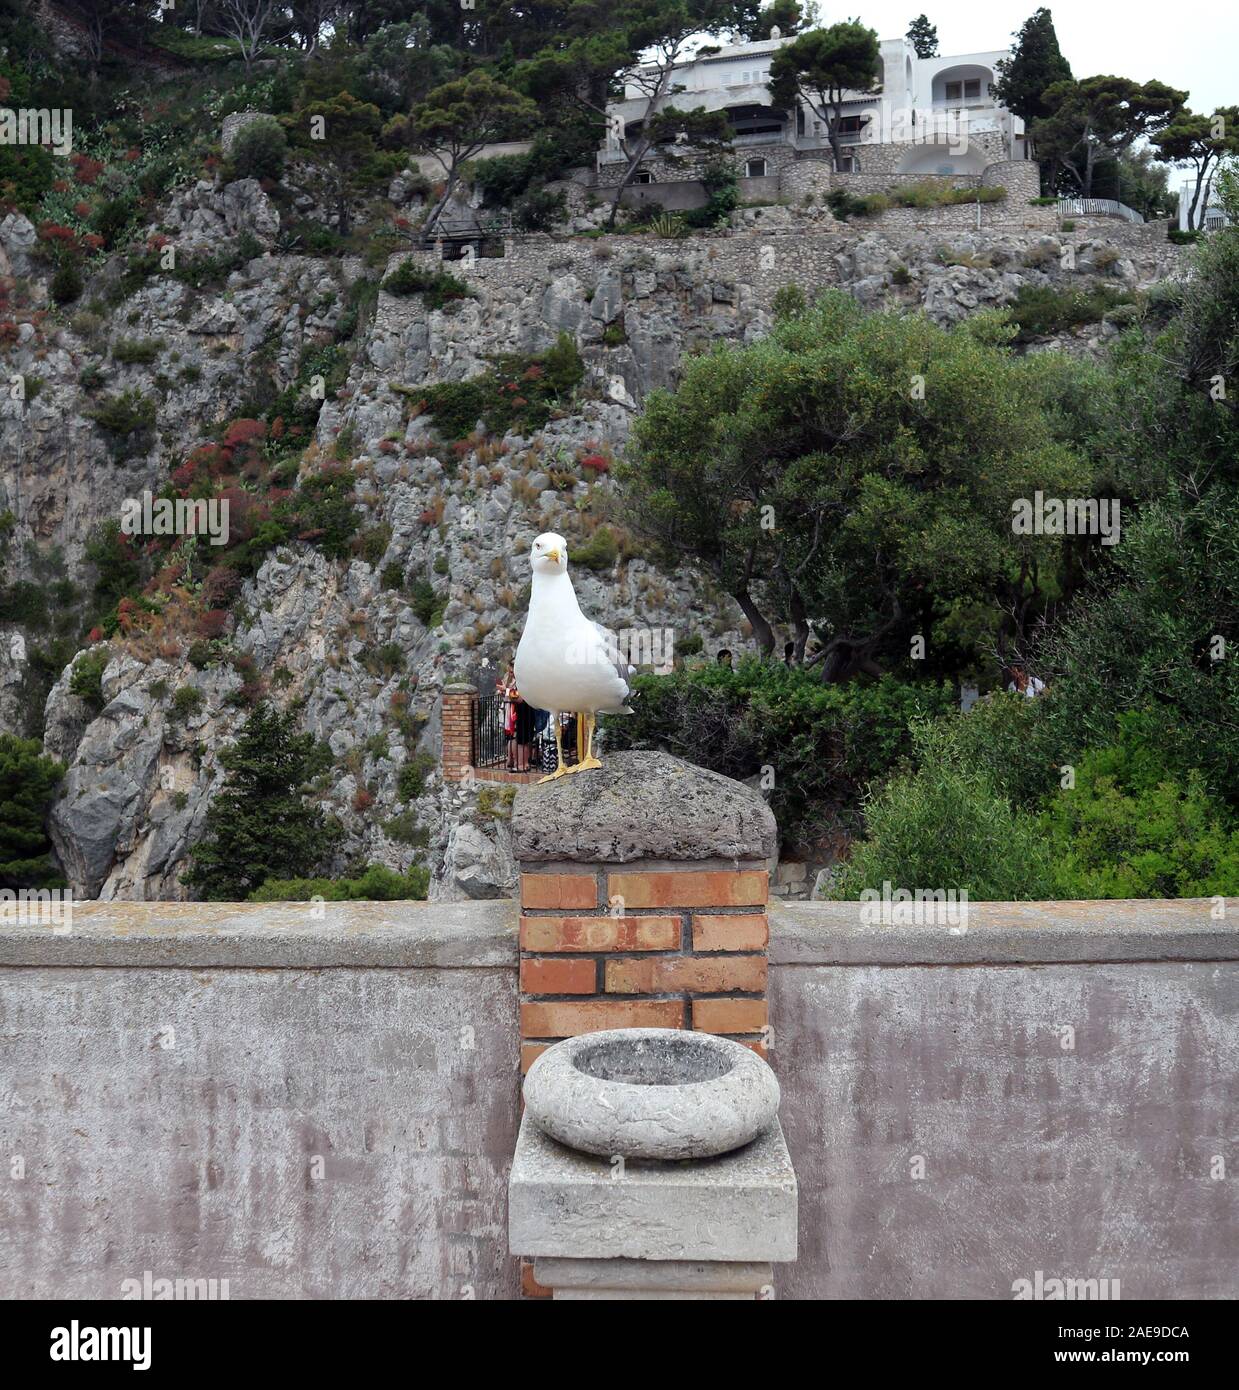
745,932
530,1288
600,933
566,1020
530,1052
559,977
690,888
559,890
729,1015
666,974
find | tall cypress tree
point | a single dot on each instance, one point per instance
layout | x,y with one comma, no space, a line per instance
923,36
1036,63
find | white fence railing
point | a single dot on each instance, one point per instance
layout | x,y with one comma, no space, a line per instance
1098,207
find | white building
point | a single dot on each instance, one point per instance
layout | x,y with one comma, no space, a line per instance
1214,214
928,116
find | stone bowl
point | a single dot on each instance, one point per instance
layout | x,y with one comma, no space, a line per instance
651,1093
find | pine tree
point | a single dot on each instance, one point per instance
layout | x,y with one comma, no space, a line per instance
923,36
258,827
28,782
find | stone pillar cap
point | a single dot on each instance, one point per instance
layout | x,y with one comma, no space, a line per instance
460,688
641,805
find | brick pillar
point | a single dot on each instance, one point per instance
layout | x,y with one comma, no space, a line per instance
643,902
458,706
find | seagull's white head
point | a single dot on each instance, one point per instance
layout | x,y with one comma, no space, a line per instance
549,554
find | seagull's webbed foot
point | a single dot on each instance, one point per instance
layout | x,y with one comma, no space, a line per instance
588,761
563,769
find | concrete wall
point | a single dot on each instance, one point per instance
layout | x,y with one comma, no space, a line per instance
1091,1153
309,1109
327,1108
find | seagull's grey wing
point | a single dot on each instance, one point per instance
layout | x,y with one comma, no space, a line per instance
618,662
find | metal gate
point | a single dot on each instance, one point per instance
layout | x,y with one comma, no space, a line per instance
490,746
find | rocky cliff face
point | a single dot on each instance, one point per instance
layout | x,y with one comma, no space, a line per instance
349,650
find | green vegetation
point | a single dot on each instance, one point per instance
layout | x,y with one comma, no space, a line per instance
375,883
517,394
28,783
143,351
438,288
258,827
412,780
1040,311
259,150
86,681
819,745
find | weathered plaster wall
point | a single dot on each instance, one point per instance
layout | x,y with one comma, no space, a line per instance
906,1051
338,1128
382,1040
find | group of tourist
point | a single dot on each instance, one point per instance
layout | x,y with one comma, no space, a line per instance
529,733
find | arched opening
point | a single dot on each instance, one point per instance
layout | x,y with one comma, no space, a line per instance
966,84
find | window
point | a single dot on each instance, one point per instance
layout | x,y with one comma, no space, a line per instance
643,176
848,164
755,169
968,90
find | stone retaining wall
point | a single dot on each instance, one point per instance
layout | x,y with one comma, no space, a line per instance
325,1106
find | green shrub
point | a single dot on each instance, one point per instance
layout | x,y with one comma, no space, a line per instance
789,302
259,150
945,827
600,552
1133,828
517,393
824,743
456,406
404,829
128,414
1040,311
143,351
86,680
540,210
187,701
427,603
1181,237
376,884
67,284
411,782
1010,739
437,288
372,544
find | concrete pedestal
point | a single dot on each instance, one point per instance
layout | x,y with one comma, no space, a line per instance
600,1228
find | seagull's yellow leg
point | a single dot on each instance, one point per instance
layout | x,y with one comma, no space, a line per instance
561,770
591,722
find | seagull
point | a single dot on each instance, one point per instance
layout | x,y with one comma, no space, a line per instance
565,663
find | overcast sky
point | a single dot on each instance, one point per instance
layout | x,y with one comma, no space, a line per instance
1192,44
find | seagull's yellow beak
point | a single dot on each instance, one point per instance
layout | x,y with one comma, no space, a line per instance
553,555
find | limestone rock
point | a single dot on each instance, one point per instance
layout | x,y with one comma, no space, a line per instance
641,805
